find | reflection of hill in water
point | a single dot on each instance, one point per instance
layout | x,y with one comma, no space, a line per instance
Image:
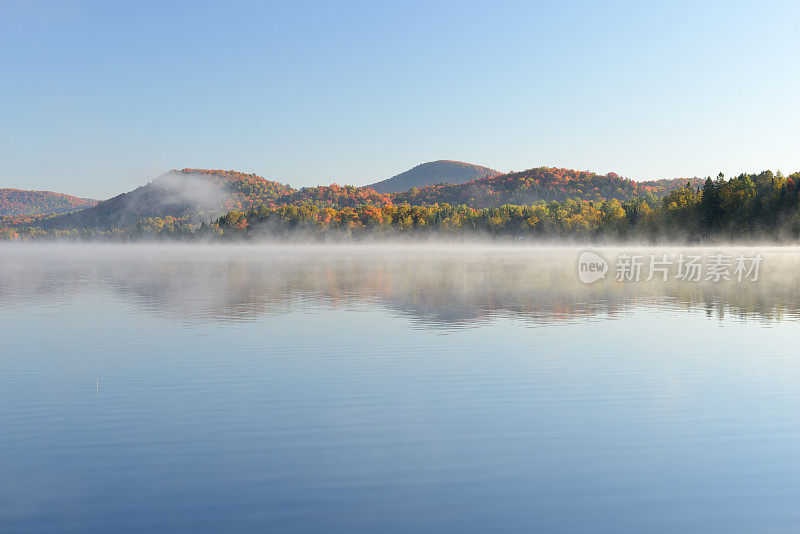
449,289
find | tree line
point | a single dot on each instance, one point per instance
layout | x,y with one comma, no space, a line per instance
764,205
748,206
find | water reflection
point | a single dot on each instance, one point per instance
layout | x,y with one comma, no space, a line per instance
436,287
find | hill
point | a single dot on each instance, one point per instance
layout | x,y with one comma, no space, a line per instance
539,184
19,202
191,196
432,173
196,193
526,187
335,195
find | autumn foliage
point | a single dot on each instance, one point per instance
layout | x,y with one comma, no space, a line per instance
244,190
535,185
336,196
533,204
18,202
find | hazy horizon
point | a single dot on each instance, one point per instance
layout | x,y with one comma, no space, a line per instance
146,180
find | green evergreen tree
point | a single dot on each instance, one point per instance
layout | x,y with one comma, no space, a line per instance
710,207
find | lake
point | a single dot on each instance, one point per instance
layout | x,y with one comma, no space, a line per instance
430,388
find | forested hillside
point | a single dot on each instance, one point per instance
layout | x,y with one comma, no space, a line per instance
432,173
537,184
335,195
20,202
518,188
541,202
749,206
194,193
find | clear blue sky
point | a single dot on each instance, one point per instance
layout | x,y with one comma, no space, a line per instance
99,97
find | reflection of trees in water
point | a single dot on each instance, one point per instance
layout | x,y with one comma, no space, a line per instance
448,289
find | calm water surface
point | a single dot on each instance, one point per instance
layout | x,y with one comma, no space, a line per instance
307,389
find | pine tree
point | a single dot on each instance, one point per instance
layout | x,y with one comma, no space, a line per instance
710,206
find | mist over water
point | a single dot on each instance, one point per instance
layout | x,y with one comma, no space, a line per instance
435,284
345,388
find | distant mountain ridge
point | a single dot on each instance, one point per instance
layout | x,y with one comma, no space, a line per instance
178,193
431,173
519,188
201,195
22,202
539,184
